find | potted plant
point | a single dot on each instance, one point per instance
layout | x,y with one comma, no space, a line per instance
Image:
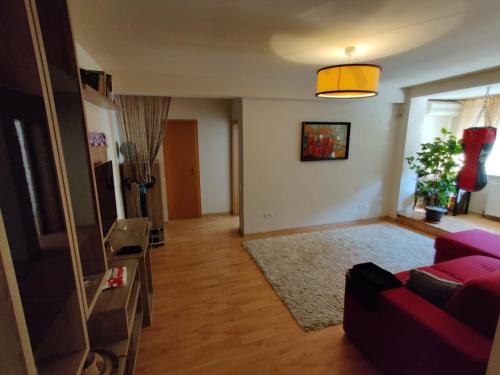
436,168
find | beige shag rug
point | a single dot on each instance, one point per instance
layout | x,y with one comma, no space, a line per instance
308,270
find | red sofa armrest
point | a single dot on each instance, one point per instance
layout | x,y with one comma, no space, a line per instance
406,334
465,243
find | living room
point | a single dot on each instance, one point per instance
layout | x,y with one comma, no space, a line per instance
233,187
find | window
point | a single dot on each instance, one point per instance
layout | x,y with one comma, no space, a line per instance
493,162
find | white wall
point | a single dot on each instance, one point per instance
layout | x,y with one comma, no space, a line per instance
479,199
85,61
214,118
414,114
420,127
432,125
104,121
311,193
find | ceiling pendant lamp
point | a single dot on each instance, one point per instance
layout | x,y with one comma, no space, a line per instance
348,81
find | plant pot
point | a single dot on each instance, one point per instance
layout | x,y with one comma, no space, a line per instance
434,214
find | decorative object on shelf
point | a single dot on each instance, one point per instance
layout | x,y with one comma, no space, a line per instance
325,141
97,139
109,86
98,148
348,81
115,277
100,363
94,78
98,80
436,170
478,142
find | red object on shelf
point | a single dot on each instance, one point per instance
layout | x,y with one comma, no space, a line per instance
116,277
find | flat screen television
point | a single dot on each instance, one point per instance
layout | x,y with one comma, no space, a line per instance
106,194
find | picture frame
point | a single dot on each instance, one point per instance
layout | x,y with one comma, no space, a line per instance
324,141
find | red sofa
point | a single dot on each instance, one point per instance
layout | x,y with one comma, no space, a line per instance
468,242
406,334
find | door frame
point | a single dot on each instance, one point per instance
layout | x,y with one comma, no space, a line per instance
235,178
169,193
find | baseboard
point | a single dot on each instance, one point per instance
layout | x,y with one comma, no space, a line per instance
317,228
489,217
225,213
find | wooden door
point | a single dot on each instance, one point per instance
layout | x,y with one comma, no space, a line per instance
235,170
182,172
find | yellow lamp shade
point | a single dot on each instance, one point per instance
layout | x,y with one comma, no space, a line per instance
348,81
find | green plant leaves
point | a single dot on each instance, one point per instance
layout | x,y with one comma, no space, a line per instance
436,168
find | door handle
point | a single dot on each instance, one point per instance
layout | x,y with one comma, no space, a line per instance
193,170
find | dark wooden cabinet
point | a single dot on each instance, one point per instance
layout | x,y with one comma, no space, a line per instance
40,251
65,85
135,232
52,258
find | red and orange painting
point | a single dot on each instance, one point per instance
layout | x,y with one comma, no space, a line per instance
325,141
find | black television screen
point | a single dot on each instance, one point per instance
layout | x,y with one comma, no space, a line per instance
106,194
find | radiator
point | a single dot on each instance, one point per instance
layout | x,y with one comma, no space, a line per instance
493,202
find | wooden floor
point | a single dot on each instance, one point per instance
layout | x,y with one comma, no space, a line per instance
214,313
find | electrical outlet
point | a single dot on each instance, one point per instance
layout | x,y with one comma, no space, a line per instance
360,206
268,215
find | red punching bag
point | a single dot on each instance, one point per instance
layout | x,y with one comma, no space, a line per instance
477,143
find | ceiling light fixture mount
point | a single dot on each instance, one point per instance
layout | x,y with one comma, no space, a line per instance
348,81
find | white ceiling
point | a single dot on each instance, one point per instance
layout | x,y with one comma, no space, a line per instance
272,48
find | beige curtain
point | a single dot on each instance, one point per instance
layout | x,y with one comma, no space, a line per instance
470,111
132,191
133,200
143,123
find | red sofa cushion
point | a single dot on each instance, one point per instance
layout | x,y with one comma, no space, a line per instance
403,276
469,242
469,267
460,270
477,303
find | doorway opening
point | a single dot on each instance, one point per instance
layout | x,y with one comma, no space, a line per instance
453,112
201,164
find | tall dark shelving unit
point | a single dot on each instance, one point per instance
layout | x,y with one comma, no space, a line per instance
52,257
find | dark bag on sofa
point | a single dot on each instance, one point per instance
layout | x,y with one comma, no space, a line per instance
366,281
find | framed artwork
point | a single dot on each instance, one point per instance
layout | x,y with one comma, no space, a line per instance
325,141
